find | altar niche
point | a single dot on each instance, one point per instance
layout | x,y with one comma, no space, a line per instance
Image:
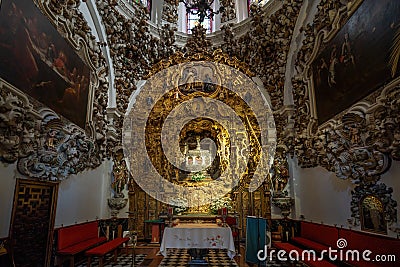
372,215
205,152
198,159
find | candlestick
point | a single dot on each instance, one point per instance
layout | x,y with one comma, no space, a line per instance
169,214
224,211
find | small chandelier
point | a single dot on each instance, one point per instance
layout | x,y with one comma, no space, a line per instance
202,8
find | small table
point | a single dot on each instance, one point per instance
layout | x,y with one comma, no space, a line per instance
201,236
156,228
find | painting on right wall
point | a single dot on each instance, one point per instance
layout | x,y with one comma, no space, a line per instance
359,59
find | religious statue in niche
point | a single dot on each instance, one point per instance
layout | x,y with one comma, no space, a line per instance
372,214
119,173
119,180
279,173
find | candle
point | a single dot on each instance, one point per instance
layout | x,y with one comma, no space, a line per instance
224,211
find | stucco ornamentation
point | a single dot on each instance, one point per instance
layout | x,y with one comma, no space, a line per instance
229,12
133,50
360,142
61,151
170,11
43,149
17,127
266,45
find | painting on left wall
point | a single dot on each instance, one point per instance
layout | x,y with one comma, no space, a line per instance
36,59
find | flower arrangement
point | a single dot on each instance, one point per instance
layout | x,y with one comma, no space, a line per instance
198,176
180,205
224,202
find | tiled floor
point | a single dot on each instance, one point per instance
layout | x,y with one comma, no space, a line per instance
181,258
149,256
123,260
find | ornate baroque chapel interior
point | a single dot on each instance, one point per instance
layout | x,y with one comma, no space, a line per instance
139,115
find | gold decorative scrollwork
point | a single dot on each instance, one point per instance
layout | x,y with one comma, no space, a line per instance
188,82
217,56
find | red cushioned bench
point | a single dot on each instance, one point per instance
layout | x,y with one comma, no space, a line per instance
103,249
320,237
74,239
377,244
310,262
315,236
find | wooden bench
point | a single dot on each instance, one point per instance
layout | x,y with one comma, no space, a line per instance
75,239
103,249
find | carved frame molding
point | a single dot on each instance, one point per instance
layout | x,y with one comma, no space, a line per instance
360,142
379,190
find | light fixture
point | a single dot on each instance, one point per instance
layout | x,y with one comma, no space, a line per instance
202,8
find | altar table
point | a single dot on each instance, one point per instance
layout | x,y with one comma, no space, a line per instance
204,236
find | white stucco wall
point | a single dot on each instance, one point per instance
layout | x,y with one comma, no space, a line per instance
323,198
83,197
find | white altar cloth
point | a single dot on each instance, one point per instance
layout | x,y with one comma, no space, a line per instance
198,236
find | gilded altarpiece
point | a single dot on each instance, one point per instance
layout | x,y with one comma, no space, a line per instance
142,207
219,178
257,203
245,204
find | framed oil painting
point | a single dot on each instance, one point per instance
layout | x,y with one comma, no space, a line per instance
359,59
37,60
